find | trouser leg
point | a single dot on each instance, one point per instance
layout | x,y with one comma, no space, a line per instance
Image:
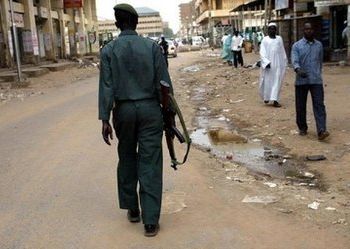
125,126
240,58
235,63
300,106
317,94
166,60
150,160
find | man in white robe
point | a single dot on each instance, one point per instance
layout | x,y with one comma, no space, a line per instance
273,66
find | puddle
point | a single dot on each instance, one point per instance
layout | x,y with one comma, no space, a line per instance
252,154
198,94
191,69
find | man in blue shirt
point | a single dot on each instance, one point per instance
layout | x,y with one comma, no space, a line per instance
307,57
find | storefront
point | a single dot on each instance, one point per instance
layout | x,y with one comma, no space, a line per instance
334,20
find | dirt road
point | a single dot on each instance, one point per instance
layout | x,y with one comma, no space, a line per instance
57,184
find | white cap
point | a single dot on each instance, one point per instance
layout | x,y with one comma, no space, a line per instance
345,22
272,24
162,36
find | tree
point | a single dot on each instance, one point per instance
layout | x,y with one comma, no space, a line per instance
168,32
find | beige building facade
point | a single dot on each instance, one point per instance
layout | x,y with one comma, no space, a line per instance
47,30
150,22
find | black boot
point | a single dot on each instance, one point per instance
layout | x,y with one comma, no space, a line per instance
134,216
151,230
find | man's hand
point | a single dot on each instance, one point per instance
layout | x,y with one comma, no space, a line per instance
107,132
301,73
268,66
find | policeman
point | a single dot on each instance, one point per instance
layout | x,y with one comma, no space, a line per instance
131,70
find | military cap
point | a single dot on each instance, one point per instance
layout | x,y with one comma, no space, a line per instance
127,8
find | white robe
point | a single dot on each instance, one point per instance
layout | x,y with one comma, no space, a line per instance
272,52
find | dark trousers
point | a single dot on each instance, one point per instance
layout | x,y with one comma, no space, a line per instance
237,58
319,108
139,129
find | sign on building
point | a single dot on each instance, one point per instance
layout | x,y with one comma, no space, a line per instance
73,4
281,4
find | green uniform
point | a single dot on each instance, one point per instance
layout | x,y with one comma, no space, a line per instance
131,70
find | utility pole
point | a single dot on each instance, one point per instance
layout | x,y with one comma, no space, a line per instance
210,28
265,15
15,38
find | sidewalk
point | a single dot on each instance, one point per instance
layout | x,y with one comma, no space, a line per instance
8,75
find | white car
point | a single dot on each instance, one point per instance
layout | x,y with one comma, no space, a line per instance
198,41
172,50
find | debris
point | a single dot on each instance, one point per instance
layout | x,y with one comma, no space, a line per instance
229,156
260,199
316,158
340,221
222,118
285,211
222,135
287,157
308,175
226,110
228,178
238,101
256,140
284,161
303,184
203,109
299,197
270,184
236,179
314,205
331,208
294,132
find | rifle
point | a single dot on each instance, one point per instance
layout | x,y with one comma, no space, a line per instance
170,109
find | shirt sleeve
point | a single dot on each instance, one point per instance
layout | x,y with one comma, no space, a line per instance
295,57
105,94
263,54
241,41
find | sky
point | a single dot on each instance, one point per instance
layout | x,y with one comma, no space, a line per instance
169,9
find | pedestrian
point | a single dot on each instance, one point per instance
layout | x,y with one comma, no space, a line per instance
273,66
131,70
226,50
224,37
307,58
236,48
165,48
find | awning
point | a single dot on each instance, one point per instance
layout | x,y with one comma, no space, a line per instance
243,3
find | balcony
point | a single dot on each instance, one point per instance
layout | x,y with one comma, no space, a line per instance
214,14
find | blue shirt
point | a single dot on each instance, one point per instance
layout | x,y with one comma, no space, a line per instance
308,56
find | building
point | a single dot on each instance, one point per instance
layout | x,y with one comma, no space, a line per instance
107,30
249,15
150,22
188,26
335,18
214,18
48,30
